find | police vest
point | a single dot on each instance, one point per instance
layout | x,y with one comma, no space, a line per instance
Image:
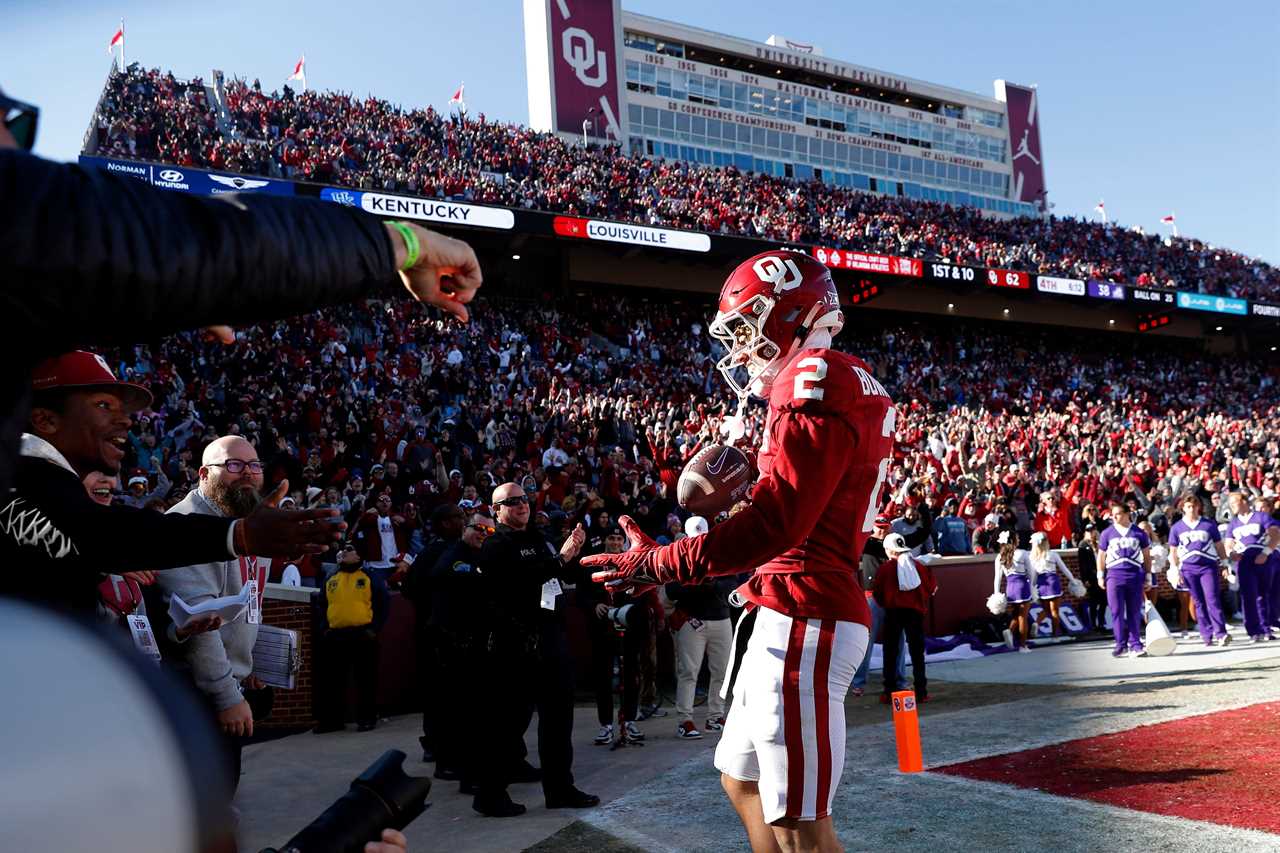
350,597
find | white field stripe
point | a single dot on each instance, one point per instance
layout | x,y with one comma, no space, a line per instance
808,720
605,822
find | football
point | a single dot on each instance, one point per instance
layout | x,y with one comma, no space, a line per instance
715,479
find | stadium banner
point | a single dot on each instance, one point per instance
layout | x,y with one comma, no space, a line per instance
1008,278
952,273
842,259
426,209
1023,107
1153,297
1216,304
1260,309
1106,290
574,54
1060,286
638,235
187,179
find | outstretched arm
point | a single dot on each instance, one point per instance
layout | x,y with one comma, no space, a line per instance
785,506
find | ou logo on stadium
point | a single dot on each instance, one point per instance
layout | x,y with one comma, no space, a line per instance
782,273
578,48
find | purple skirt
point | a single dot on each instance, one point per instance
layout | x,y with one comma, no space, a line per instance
1017,589
1049,586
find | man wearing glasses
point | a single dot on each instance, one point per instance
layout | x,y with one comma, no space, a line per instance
221,661
527,663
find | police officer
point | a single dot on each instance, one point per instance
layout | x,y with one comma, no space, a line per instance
527,662
457,597
447,521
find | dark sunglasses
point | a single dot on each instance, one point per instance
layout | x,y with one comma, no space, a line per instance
482,528
516,501
21,120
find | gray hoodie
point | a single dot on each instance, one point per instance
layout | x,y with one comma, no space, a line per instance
221,659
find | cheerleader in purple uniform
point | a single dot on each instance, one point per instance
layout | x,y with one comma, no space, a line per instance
1049,568
1252,537
1196,551
1126,562
1014,566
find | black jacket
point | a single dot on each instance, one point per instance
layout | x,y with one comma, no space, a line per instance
705,601
56,542
515,564
88,257
457,591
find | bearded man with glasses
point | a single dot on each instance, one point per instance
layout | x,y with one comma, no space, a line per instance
221,662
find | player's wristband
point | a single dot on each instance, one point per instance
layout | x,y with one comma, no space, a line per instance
412,246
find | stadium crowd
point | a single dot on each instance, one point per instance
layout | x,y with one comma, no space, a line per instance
336,138
594,409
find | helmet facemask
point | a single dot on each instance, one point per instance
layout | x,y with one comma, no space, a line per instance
749,350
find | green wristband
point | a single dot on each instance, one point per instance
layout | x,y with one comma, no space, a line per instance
413,248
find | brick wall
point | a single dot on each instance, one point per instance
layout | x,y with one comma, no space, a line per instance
290,607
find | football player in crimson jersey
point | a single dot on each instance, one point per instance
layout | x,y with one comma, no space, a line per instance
825,453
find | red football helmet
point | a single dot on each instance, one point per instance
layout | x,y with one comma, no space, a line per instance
769,305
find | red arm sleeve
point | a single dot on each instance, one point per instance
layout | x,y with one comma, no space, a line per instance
813,450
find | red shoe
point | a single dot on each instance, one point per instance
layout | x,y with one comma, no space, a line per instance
920,700
884,698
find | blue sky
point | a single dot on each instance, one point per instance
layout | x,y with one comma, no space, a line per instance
1153,106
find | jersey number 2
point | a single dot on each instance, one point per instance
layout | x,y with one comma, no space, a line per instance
873,500
803,389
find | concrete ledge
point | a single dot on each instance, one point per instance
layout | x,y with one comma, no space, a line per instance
281,592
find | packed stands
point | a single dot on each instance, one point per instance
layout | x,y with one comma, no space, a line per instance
336,138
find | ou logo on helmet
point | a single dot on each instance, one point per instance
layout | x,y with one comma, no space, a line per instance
782,273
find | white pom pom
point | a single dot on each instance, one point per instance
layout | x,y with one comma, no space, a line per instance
1174,576
997,603
1076,588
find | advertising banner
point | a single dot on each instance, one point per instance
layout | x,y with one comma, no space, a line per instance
1261,310
843,259
1217,304
426,209
1022,104
187,179
638,235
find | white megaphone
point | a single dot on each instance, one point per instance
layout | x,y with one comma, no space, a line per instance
1158,640
291,576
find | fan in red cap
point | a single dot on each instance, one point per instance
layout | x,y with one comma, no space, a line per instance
94,439
84,371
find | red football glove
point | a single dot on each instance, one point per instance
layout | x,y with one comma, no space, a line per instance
633,572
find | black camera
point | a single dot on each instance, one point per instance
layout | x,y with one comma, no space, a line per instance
382,797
